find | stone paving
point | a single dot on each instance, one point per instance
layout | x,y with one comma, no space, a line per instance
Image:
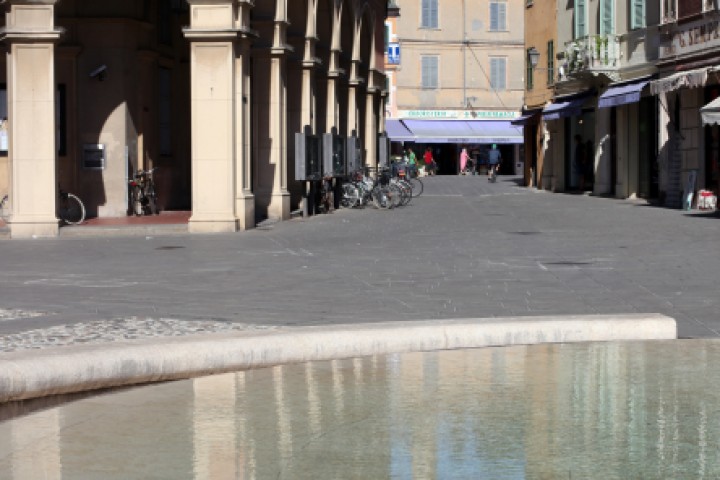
465,249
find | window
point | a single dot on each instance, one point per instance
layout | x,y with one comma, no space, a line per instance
429,71
607,17
529,69
498,11
669,12
637,14
497,73
687,8
429,14
580,18
387,37
550,63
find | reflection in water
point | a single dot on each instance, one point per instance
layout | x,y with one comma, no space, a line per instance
624,410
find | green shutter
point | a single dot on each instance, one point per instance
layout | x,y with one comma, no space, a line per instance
580,18
607,17
637,16
551,63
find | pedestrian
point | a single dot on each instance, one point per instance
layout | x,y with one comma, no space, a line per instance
412,162
463,161
494,159
430,164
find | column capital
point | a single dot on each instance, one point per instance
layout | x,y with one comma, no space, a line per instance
30,21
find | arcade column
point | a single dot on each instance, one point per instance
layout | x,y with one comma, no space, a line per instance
30,34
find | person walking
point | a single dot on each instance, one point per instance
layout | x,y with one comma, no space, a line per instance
463,161
429,161
494,159
412,162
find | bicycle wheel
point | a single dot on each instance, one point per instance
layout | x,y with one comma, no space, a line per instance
417,187
71,210
136,199
382,198
152,200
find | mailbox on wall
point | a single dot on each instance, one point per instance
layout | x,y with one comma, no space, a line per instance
383,151
334,161
307,157
93,157
353,154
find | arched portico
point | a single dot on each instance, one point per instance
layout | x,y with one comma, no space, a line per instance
250,74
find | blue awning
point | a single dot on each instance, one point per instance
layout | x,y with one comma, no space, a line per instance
397,131
622,94
528,118
464,131
561,109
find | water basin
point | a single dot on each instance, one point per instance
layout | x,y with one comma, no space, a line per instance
561,411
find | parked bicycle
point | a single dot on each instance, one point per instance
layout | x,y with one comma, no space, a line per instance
3,206
143,197
70,209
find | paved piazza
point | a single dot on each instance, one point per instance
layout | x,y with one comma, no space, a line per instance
465,249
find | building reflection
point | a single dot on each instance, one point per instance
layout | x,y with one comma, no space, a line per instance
626,410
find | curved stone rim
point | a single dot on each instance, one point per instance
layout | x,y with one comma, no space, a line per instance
38,373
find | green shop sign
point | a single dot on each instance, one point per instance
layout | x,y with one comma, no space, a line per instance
459,114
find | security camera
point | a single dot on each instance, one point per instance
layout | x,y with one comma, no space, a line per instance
99,72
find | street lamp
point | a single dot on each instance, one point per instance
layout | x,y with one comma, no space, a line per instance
534,56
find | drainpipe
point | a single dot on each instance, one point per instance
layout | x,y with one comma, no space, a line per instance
464,45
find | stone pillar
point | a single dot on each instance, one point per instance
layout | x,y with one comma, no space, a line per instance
603,158
212,34
371,130
270,97
31,35
244,197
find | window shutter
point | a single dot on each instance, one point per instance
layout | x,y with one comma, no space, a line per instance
607,17
429,72
493,16
502,14
637,15
580,18
687,8
429,13
550,63
497,73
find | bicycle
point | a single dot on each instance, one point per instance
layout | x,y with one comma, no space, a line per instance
70,209
3,206
143,196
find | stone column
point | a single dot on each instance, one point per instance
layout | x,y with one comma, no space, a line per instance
270,93
370,130
244,197
31,35
212,36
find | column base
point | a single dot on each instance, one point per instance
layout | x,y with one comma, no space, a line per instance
279,207
211,224
245,212
33,227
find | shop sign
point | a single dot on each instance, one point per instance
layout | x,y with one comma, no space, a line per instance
690,38
459,114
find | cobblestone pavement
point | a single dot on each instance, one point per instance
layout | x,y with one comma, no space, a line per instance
465,249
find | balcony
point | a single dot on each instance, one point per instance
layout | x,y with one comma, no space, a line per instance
591,56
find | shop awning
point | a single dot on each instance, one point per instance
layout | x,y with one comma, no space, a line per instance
527,118
622,94
397,131
689,79
464,131
570,107
710,113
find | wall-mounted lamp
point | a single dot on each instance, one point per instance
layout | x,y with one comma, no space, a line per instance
534,57
99,72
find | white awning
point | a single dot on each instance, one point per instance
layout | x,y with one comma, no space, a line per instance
711,112
690,79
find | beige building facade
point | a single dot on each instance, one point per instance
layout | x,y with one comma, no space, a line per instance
209,92
461,63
